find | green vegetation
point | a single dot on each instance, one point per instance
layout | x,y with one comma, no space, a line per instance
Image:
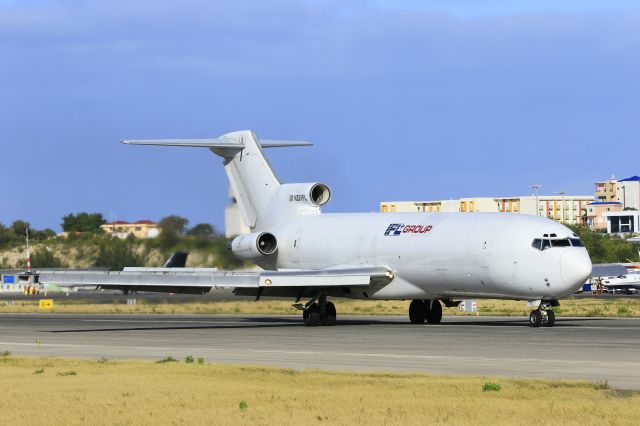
84,245
605,248
491,387
83,222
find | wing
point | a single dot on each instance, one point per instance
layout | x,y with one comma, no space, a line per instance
203,280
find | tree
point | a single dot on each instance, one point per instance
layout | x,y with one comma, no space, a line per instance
83,222
116,254
173,223
202,231
19,227
44,258
171,227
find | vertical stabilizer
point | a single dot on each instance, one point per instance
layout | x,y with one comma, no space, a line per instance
252,179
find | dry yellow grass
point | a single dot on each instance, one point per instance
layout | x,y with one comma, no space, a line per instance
45,391
572,307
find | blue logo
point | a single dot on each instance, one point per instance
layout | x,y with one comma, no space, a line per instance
394,229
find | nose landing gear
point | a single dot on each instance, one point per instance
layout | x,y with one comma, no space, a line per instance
543,316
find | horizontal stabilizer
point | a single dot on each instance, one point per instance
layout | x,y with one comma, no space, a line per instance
213,143
274,143
197,143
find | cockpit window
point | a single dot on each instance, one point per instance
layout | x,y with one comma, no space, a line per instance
576,242
550,241
563,242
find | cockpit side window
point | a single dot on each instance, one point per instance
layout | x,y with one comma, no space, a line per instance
545,244
536,243
576,242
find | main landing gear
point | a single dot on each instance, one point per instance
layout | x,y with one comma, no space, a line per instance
425,310
319,313
543,316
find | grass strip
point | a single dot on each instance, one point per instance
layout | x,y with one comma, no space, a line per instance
593,307
144,392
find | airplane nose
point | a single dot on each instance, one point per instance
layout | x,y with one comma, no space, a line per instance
575,267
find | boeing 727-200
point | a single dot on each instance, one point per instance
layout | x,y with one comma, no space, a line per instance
429,258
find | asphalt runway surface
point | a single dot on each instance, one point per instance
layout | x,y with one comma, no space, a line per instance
594,349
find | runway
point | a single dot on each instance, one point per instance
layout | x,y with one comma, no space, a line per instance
576,348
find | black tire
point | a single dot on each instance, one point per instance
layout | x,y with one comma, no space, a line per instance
535,318
551,319
311,315
329,314
434,315
417,312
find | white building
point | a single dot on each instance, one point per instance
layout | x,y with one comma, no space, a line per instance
624,222
628,192
569,209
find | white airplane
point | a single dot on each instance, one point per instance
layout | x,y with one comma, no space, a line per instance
426,257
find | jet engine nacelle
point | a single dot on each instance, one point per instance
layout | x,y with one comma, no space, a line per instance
312,194
255,246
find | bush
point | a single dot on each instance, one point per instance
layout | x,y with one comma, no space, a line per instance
243,405
491,387
44,258
116,254
167,359
188,359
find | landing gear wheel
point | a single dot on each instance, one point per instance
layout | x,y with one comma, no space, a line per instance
434,315
417,312
329,317
311,315
551,318
535,318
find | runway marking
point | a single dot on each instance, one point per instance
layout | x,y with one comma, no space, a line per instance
164,321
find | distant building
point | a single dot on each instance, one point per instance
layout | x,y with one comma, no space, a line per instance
596,218
568,209
233,223
628,192
623,222
139,229
606,190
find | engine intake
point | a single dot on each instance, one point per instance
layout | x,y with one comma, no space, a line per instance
320,194
254,246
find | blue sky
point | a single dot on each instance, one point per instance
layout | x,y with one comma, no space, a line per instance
404,100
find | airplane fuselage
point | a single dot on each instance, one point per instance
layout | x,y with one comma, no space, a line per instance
440,255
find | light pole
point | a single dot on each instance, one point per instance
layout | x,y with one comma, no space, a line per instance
562,210
536,187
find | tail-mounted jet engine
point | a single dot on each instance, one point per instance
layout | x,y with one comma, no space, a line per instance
254,246
314,194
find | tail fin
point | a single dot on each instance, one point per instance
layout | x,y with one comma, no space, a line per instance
253,181
176,260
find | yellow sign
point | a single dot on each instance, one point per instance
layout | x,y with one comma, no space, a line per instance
46,304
